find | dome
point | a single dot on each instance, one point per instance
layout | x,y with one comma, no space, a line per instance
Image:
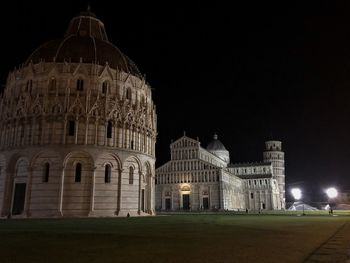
216,145
217,148
85,41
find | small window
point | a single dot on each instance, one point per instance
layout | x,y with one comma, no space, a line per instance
132,145
128,94
109,129
52,85
131,175
46,172
80,84
71,128
107,173
105,87
78,173
251,195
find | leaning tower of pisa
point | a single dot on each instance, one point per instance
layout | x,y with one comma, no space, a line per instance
273,153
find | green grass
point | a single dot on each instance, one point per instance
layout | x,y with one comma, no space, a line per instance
179,238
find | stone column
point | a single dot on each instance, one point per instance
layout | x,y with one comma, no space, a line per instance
119,194
92,193
105,140
86,130
96,131
221,191
60,193
28,192
181,201
139,198
152,194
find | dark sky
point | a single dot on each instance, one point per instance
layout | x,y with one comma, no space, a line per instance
249,72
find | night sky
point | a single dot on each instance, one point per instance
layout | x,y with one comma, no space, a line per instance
248,72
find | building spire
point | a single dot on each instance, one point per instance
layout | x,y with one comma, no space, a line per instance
215,136
88,7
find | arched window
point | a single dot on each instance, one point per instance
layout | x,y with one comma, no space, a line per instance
251,195
46,173
128,94
131,175
132,145
109,129
71,128
52,84
80,84
78,173
107,173
105,86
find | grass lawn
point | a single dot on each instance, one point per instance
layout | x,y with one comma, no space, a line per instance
178,238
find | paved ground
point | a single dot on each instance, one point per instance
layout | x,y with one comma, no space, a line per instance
335,250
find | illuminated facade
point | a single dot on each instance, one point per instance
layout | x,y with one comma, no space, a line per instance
78,130
204,179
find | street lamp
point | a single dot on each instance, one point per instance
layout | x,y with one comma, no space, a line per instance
331,193
296,192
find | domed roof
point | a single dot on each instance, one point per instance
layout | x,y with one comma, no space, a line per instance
85,41
216,145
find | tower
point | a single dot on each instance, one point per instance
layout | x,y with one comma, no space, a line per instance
273,153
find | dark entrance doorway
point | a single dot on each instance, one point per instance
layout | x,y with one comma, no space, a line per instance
186,202
205,203
143,200
167,204
18,199
263,206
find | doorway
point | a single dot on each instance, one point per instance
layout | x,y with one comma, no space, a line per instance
19,199
167,204
186,202
205,203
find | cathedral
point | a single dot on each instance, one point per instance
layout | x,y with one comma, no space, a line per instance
78,130
198,178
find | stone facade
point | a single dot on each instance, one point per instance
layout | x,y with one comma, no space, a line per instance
200,179
78,131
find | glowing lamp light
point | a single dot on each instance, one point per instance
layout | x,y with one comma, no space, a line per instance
296,192
332,192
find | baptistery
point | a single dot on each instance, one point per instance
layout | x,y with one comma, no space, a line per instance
78,130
